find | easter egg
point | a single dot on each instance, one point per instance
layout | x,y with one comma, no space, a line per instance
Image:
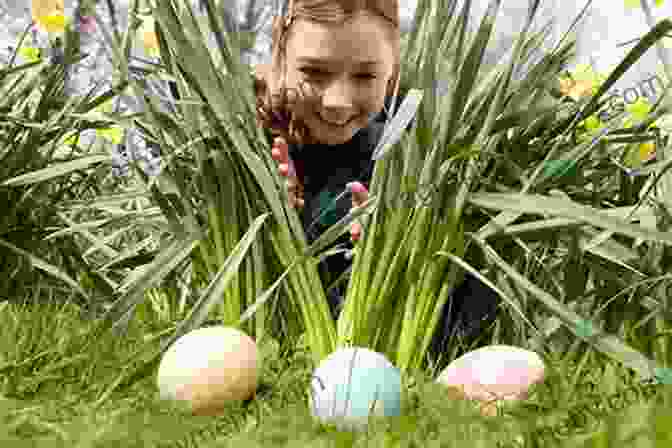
493,373
353,384
207,368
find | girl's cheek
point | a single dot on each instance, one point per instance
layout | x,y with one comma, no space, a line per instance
365,98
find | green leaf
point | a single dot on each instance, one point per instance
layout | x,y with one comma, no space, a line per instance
553,206
215,290
471,67
559,168
585,329
56,170
134,286
608,344
46,267
664,375
396,128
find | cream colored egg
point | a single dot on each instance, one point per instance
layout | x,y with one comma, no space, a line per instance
208,368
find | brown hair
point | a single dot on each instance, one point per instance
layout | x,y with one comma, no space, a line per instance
272,110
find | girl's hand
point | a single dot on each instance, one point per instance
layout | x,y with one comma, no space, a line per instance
359,196
280,154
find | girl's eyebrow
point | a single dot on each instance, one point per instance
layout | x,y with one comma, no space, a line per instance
318,61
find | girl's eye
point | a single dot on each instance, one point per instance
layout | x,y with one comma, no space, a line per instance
317,73
366,76
313,72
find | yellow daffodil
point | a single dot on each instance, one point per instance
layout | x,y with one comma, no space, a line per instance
70,139
593,123
147,33
49,15
575,89
31,54
582,82
41,8
638,111
631,4
53,23
647,151
637,155
113,134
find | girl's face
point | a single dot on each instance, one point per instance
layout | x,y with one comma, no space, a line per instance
345,70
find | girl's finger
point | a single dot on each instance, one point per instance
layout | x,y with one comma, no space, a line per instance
280,153
359,193
355,231
291,171
280,150
296,200
359,196
292,184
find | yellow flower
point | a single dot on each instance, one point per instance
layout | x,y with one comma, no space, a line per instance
583,82
53,23
42,8
148,35
593,123
113,134
70,138
630,4
50,15
32,54
647,151
575,89
637,155
639,111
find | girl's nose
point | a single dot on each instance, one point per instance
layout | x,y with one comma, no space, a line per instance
337,100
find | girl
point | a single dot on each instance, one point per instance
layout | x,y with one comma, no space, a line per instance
335,66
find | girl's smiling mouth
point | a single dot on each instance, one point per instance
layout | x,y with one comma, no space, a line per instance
336,124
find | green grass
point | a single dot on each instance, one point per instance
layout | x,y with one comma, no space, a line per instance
50,397
586,281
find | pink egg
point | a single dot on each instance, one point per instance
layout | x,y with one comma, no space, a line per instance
493,373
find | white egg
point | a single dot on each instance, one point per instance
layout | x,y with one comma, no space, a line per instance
209,367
